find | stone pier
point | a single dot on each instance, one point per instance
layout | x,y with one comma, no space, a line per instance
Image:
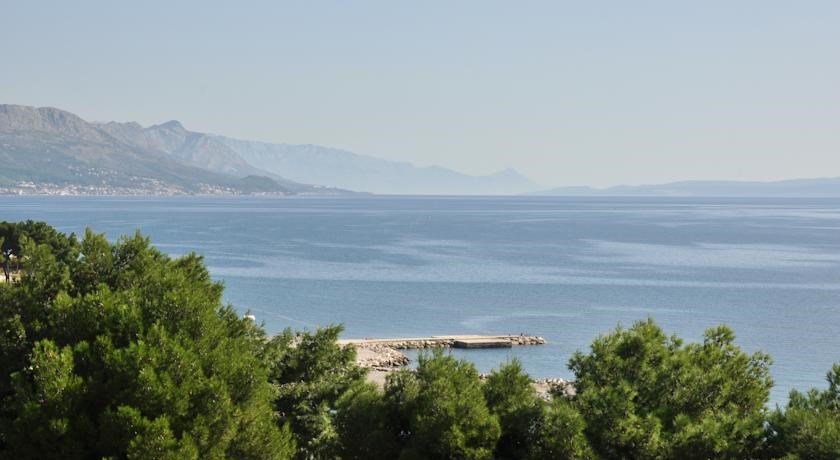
384,353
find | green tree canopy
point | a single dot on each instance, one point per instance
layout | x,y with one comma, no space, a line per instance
646,395
311,373
440,410
117,350
511,397
62,246
13,236
810,425
533,428
367,424
560,433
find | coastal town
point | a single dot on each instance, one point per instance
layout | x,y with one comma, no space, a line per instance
145,187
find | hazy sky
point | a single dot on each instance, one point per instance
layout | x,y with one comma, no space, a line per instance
568,93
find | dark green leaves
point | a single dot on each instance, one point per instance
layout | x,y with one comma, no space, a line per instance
645,395
810,425
116,350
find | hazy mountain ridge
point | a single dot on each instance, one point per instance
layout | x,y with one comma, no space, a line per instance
345,169
817,187
51,146
55,147
171,137
48,144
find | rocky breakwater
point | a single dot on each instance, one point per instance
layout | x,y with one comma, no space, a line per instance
447,341
374,356
526,339
385,354
555,387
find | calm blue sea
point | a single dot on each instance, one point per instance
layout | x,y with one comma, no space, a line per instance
564,268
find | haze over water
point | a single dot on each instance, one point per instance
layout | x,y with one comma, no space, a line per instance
564,268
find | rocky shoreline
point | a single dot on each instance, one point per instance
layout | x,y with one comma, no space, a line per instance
379,356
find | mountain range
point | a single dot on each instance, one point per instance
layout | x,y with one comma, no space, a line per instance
344,169
51,147
48,150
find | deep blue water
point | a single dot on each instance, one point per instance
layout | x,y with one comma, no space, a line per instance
565,268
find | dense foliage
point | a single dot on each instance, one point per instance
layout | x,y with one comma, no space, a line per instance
115,350
311,372
645,395
810,426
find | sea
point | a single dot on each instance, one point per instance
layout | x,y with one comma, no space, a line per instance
567,269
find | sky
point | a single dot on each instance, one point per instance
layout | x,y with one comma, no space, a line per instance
567,93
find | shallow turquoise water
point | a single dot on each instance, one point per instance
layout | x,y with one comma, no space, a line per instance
564,268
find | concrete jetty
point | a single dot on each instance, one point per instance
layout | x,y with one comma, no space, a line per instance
482,343
384,353
458,341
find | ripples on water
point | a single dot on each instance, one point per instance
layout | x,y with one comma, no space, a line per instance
568,269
